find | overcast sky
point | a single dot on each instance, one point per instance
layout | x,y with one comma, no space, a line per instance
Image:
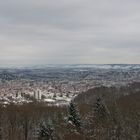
35,32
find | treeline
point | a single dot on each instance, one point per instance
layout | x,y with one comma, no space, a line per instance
98,118
23,122
109,94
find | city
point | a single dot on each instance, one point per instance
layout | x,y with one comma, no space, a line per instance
59,84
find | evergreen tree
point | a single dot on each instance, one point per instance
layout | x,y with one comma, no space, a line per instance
45,132
100,110
74,117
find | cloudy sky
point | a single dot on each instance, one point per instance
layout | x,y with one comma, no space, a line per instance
34,32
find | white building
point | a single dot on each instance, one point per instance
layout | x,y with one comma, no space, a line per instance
37,94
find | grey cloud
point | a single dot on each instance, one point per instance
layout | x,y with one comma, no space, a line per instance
69,31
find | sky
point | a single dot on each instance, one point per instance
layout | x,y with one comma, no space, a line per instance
39,32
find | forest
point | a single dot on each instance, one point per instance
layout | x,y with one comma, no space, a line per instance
103,113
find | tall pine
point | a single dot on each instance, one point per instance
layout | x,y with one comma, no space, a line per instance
100,110
45,132
74,116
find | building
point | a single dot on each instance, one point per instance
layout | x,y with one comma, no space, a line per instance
37,94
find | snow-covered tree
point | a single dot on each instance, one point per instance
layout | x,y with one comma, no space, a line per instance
100,109
45,132
74,117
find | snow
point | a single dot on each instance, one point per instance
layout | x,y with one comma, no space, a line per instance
49,100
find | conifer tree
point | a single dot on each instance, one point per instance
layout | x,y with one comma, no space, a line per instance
100,109
45,132
74,116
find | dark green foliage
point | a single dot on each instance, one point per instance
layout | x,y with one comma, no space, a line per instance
74,117
45,132
100,110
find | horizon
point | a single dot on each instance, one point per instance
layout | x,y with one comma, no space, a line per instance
59,65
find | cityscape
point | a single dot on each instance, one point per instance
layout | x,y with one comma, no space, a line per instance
59,84
70,70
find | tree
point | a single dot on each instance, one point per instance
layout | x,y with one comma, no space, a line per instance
100,110
45,132
74,117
